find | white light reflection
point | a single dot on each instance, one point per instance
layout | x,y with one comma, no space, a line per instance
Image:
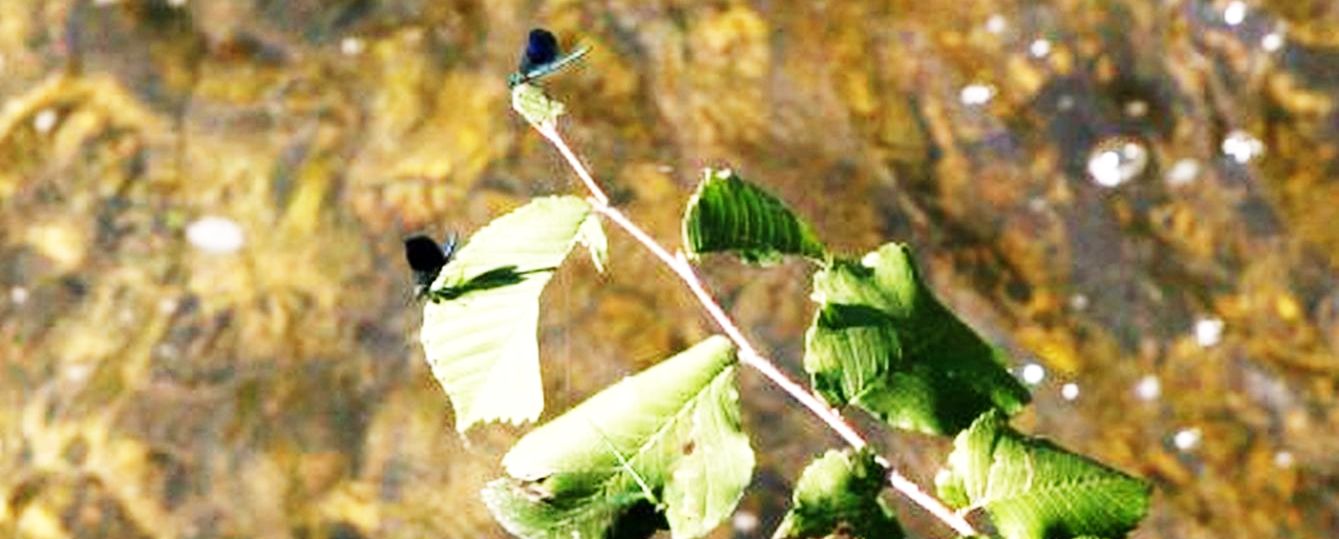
976,94
1149,388
1242,147
1115,162
1235,13
45,120
352,46
215,235
1187,439
18,295
1272,42
1039,48
745,522
1069,391
1183,172
997,24
1033,374
1209,332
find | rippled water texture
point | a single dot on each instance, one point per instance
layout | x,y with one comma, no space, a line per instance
206,327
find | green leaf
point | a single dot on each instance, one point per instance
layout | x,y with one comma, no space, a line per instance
838,496
480,329
1034,489
661,447
882,341
727,214
535,106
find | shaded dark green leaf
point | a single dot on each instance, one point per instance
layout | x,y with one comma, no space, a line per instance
727,214
838,496
883,342
1034,489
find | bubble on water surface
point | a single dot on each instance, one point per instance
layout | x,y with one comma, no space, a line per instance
1033,373
18,295
745,522
997,24
45,120
1208,331
352,46
1242,147
1187,439
1039,48
215,234
1183,172
976,94
1272,42
1116,161
1149,388
1235,13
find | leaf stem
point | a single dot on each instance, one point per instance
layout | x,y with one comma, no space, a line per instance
749,355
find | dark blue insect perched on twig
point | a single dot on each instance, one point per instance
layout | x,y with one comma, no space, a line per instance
542,57
427,258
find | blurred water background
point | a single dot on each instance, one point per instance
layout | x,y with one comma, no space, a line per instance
207,329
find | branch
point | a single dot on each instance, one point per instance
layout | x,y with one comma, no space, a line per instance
748,355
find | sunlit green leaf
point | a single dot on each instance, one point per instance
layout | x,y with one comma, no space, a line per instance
480,327
727,214
838,496
661,447
882,341
535,106
1034,489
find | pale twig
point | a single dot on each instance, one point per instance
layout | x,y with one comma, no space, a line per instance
749,355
